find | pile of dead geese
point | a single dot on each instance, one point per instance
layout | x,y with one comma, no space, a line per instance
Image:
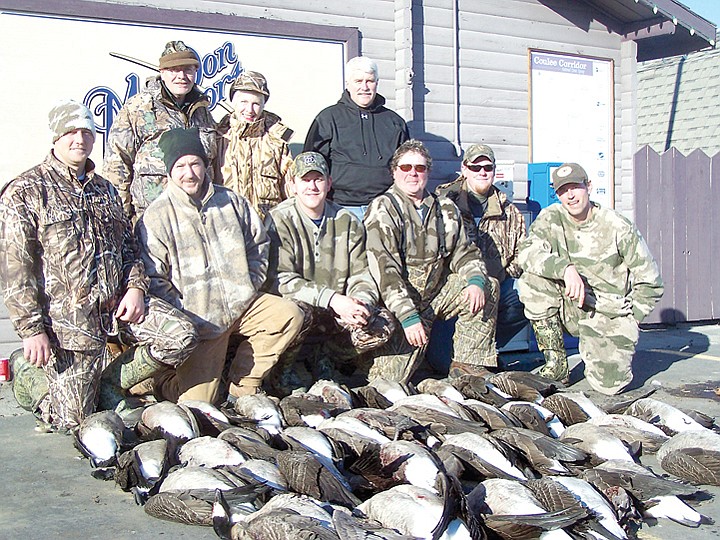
513,456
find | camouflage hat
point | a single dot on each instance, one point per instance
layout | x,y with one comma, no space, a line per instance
310,161
250,81
478,150
68,116
180,142
176,54
568,173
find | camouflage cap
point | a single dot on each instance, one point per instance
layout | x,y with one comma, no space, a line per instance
68,116
568,173
478,150
310,161
176,54
250,81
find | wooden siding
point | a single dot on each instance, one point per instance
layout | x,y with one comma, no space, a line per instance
676,197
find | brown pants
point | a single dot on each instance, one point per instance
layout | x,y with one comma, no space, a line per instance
270,324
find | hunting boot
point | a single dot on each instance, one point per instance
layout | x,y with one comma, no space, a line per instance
125,371
549,336
30,384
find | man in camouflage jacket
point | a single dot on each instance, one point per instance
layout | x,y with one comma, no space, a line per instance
205,251
426,267
587,269
318,258
133,162
72,275
496,227
253,154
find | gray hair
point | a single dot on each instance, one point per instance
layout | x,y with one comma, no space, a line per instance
363,64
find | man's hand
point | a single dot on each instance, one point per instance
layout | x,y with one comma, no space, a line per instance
574,285
37,350
416,335
475,298
132,306
349,310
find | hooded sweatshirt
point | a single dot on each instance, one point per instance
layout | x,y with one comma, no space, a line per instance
358,144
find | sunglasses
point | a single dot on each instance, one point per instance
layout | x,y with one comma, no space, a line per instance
477,168
407,167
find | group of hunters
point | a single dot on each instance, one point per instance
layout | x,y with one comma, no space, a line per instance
206,263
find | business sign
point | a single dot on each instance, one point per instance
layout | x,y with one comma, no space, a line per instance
572,116
45,59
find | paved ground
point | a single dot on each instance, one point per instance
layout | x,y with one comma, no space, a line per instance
47,491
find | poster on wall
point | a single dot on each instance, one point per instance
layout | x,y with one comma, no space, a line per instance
572,116
73,60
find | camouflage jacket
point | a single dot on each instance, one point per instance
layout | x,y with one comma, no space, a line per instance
254,160
68,254
208,260
311,263
499,232
410,256
133,161
607,251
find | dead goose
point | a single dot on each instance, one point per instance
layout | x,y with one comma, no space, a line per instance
169,420
307,475
524,385
411,510
262,472
391,390
631,429
369,396
142,467
597,441
99,437
333,393
490,415
249,442
512,511
393,424
535,416
484,454
433,403
209,452
591,499
572,407
210,419
671,507
350,527
441,389
663,415
262,411
545,454
307,409
195,506
188,478
693,456
473,387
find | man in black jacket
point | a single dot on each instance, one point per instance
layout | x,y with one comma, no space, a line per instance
357,137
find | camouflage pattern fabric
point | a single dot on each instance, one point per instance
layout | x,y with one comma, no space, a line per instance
310,263
67,253
499,232
254,160
210,262
423,274
133,162
408,259
473,340
622,281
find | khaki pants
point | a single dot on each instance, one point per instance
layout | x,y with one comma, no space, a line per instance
270,324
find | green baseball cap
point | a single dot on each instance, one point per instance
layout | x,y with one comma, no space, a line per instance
310,161
568,173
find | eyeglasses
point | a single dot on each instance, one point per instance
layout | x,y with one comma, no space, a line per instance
477,168
407,167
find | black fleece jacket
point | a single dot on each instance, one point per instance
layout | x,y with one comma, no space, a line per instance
358,144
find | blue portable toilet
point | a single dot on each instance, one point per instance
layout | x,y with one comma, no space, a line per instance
540,188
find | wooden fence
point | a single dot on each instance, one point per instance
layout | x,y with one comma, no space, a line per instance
677,209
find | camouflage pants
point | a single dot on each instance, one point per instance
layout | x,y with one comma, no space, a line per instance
73,377
607,344
473,340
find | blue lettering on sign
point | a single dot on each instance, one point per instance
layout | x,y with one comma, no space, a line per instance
105,103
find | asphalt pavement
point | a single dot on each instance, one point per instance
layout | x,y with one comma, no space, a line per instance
47,492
